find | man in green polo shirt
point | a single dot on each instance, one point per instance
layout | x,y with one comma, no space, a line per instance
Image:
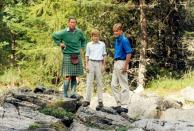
71,40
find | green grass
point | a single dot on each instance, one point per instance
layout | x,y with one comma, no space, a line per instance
34,126
58,126
122,129
165,85
57,112
10,77
187,33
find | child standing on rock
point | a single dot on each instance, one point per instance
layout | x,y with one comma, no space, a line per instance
95,64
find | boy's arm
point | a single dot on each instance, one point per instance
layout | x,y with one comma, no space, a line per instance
103,63
128,59
87,65
87,56
104,56
87,60
128,51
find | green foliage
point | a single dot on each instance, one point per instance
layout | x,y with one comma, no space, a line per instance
37,59
189,102
122,129
107,81
30,23
34,126
58,126
57,112
10,77
4,57
190,16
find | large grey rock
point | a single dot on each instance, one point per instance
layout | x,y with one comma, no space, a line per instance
187,93
158,125
141,106
37,100
99,119
76,126
19,110
136,129
178,114
149,106
3,128
88,119
22,118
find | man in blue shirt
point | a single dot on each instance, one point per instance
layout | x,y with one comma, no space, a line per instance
122,57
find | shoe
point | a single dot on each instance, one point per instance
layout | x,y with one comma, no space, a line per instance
120,109
73,96
116,107
76,96
124,110
99,106
85,103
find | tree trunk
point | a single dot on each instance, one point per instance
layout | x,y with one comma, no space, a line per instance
143,40
13,50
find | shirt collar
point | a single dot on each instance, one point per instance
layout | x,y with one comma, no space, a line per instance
119,38
96,42
68,29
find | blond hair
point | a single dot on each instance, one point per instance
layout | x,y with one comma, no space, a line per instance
117,26
95,32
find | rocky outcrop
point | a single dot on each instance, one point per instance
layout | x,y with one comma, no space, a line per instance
99,119
178,114
187,93
143,106
88,120
19,118
48,111
20,110
159,125
150,106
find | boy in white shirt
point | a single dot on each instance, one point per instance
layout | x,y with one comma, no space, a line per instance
95,63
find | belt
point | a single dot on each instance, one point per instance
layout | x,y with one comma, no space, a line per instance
96,60
116,59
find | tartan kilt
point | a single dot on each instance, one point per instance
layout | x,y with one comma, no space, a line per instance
69,69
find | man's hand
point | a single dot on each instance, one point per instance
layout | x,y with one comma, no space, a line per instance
62,45
87,68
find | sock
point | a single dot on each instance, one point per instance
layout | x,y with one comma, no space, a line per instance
66,86
73,85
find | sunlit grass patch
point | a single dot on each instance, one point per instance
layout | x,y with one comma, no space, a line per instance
166,85
10,77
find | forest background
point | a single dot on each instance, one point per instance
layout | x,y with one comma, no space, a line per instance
29,57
